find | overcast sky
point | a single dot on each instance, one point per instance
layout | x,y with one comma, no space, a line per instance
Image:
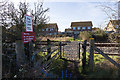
63,12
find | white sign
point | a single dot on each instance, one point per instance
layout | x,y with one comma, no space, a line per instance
28,23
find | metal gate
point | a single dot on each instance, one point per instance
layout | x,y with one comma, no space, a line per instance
71,51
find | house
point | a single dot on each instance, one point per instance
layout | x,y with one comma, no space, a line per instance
113,26
81,26
49,29
95,29
69,32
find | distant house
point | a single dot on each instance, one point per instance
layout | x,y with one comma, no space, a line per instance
95,29
49,29
81,26
69,32
113,26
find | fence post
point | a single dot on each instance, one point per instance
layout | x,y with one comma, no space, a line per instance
0,53
63,50
91,57
79,51
20,57
84,56
60,49
31,49
49,48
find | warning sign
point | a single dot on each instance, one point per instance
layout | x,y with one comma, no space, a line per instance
28,23
28,36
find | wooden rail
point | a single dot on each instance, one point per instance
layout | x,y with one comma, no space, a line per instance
107,57
54,43
93,47
112,54
47,60
105,44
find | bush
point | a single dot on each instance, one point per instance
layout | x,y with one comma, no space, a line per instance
85,35
114,37
100,36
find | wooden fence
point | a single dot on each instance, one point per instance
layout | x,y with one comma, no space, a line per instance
94,49
56,52
47,59
107,48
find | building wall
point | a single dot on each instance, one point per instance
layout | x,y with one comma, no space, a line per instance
79,28
110,27
49,30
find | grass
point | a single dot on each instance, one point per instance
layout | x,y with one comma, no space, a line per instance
58,39
54,38
57,67
42,54
103,68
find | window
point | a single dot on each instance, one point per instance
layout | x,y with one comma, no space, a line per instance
78,28
42,29
55,33
73,28
89,27
83,27
50,33
116,26
51,29
56,29
46,29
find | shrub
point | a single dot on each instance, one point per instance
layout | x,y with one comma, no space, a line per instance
114,37
85,35
100,36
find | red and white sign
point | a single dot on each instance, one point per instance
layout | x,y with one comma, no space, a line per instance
28,23
27,37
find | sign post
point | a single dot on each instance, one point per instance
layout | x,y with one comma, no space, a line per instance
28,37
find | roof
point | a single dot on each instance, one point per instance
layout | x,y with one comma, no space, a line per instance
52,25
95,28
68,29
82,23
115,22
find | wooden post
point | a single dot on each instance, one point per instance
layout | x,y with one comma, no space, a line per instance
84,56
20,54
0,53
31,52
79,51
63,50
27,53
60,50
91,57
49,48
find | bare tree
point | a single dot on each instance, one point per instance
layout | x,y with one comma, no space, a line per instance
110,10
2,3
11,16
119,10
39,16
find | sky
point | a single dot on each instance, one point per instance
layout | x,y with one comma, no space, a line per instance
63,12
